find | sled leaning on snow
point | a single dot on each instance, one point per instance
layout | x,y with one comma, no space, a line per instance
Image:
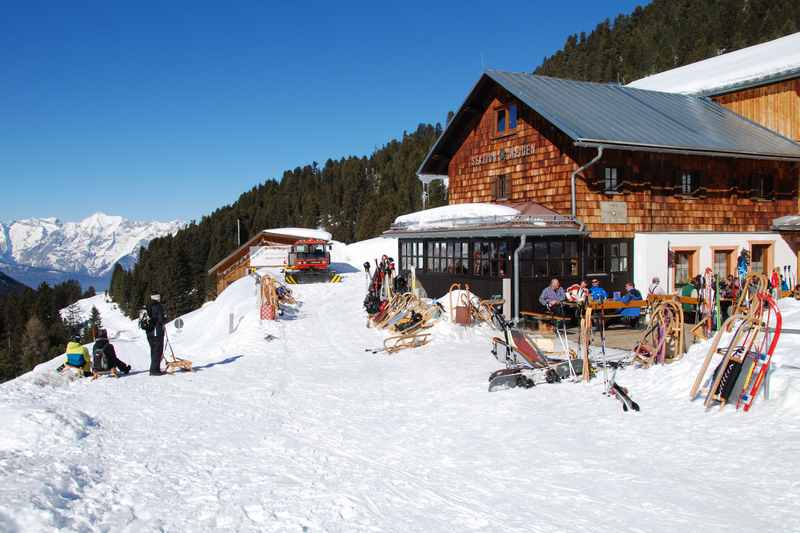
402,342
178,364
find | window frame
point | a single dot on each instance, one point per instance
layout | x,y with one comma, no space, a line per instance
616,181
732,253
694,185
502,187
693,265
504,111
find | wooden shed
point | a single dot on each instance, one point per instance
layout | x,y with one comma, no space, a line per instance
236,264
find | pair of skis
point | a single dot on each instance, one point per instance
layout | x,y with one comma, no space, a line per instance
611,387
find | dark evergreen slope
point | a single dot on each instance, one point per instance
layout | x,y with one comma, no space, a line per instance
667,34
354,198
32,330
9,285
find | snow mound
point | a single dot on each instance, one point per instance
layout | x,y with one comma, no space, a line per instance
444,216
368,251
36,427
748,65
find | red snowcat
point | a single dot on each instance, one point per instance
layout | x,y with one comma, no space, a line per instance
309,260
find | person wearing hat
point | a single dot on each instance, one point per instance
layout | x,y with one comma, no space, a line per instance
102,347
78,356
155,335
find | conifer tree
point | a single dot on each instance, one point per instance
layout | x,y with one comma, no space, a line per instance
34,343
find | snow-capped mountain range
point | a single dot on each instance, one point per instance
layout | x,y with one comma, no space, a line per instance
34,250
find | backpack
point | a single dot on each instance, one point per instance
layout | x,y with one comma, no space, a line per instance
100,360
372,303
145,322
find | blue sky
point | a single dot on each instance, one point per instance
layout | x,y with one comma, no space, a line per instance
169,110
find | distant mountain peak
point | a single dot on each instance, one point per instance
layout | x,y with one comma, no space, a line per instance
46,249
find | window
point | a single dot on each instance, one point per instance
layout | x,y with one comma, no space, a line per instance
683,272
512,116
618,253
759,258
501,120
611,182
763,187
501,187
507,119
688,183
722,261
684,266
543,258
596,260
411,255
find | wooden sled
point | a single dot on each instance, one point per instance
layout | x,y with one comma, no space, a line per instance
662,341
753,284
96,374
699,330
178,364
739,346
403,342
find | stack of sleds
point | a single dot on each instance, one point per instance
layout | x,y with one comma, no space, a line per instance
391,306
272,295
750,336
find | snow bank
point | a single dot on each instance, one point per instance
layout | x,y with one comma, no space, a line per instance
442,216
302,233
358,253
717,73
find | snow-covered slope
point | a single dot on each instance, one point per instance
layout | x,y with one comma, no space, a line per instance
715,75
46,249
307,432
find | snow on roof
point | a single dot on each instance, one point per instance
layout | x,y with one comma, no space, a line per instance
442,216
747,67
302,233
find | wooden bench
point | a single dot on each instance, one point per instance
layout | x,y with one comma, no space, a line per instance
613,308
544,316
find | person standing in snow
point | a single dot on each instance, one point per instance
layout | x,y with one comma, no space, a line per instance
155,335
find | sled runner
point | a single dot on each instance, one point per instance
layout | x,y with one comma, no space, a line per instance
173,362
96,374
752,285
402,342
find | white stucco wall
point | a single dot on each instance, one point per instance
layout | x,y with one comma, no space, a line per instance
650,251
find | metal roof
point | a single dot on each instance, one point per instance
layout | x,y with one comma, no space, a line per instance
787,223
625,118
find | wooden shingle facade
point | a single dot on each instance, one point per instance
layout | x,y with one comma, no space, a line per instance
729,194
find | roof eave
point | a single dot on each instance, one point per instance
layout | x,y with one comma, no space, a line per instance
683,150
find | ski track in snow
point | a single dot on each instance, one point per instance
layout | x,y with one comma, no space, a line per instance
308,432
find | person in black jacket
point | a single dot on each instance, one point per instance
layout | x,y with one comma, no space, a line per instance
103,347
155,336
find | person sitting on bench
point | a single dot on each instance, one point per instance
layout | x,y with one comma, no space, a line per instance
78,356
597,292
105,357
631,315
552,295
